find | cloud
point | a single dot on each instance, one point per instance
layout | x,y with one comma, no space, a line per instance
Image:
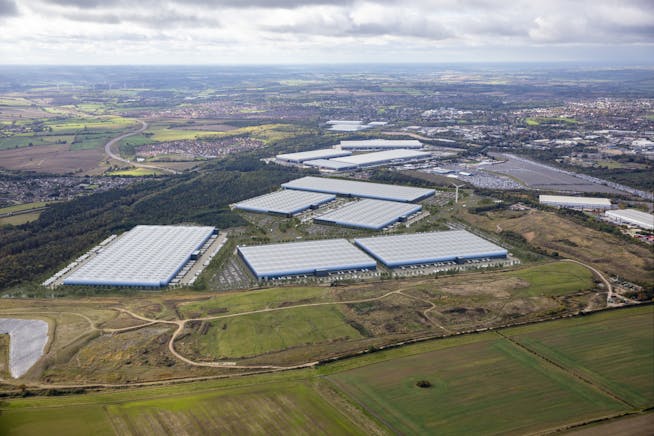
8,8
378,30
238,4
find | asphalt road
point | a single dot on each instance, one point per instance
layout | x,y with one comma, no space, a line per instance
111,154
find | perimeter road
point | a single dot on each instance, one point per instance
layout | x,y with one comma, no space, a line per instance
111,154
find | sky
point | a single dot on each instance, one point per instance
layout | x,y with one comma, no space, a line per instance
236,32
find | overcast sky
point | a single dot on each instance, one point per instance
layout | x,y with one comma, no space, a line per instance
323,31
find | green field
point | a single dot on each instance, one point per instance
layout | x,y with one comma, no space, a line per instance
489,386
549,120
557,278
78,133
480,384
273,331
265,408
22,207
135,172
4,356
252,300
16,220
613,350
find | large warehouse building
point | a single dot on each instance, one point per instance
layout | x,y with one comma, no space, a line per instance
302,156
584,203
286,202
309,257
330,165
428,248
369,214
148,256
380,144
396,156
631,217
352,188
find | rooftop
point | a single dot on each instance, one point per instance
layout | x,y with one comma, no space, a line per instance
383,156
307,257
287,202
313,154
359,189
425,248
370,214
144,256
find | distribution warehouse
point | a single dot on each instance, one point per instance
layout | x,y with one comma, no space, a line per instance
369,214
575,202
351,188
395,156
380,144
323,153
286,202
310,257
427,248
632,217
149,256
330,165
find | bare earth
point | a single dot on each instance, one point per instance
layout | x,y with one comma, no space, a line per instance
54,159
639,425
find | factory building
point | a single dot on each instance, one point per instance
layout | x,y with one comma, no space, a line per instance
632,217
351,188
429,248
146,256
285,202
380,144
302,156
317,258
369,214
571,202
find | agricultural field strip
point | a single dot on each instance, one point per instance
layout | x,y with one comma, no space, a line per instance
566,369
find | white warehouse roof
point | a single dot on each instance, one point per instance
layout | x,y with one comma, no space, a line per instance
368,144
369,214
424,248
286,202
632,216
323,153
144,256
309,257
359,189
329,164
571,201
386,156
344,122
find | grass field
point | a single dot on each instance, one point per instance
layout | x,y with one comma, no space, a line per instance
273,331
604,251
78,133
549,120
4,356
481,384
557,278
22,207
16,220
489,386
135,172
252,300
289,407
612,350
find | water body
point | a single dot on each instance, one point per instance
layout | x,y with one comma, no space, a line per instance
27,341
